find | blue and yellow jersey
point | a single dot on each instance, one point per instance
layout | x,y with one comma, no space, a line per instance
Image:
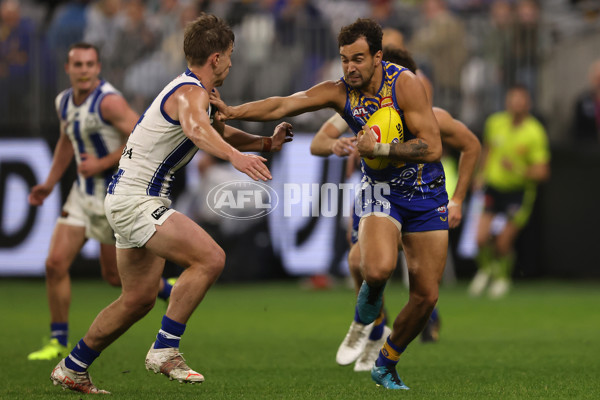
408,179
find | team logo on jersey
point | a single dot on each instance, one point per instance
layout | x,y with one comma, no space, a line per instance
360,112
242,200
442,209
386,102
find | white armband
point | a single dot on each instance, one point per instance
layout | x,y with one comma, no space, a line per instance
381,149
338,122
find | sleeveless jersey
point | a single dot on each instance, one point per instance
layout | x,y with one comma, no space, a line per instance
156,148
407,179
89,133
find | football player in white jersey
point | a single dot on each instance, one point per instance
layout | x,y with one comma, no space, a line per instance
95,121
173,128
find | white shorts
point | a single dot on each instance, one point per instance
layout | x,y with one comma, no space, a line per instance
134,218
87,211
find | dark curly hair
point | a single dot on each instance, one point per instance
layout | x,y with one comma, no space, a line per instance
204,36
362,27
400,57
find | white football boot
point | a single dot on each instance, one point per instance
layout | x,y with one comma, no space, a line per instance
73,380
369,355
170,362
354,343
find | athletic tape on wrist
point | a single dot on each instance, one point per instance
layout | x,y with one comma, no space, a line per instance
381,149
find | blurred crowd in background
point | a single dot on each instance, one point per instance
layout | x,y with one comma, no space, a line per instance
472,50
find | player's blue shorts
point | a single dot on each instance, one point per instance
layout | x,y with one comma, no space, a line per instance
413,214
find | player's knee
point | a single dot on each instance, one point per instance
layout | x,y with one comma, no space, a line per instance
213,265
56,267
138,304
377,272
425,300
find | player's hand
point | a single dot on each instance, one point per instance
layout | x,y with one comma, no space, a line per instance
454,213
344,146
252,165
215,99
282,134
90,165
366,142
38,194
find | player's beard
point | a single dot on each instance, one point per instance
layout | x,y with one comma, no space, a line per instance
361,83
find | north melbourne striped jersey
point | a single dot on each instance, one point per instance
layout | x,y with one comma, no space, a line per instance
156,148
89,133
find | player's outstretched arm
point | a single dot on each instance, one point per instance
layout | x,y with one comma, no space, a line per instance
189,104
63,154
116,111
244,141
458,136
328,139
323,95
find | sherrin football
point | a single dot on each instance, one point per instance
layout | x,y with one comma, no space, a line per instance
387,125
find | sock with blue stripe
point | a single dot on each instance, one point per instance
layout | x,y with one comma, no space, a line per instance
165,293
81,357
169,334
377,331
60,332
389,354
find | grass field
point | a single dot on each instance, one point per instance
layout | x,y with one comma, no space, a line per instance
276,341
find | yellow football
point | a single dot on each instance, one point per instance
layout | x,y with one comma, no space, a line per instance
387,125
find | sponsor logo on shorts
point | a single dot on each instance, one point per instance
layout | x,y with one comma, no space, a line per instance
156,214
443,219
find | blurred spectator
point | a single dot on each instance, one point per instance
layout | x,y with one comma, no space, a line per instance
389,15
440,43
67,25
101,27
586,121
526,46
303,33
135,38
514,160
16,48
144,79
496,49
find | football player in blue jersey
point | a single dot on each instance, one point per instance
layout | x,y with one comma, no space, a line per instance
362,342
95,121
406,201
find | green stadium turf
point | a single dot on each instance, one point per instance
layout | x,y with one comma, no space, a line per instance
277,341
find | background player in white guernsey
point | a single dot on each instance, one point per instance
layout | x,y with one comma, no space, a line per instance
176,124
95,121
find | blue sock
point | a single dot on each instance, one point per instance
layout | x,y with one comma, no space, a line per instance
165,293
60,332
356,317
377,331
434,315
169,334
81,357
389,354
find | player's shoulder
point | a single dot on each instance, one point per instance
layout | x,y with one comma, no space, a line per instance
62,96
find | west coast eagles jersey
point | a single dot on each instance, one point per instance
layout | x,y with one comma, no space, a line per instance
156,148
89,133
407,179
